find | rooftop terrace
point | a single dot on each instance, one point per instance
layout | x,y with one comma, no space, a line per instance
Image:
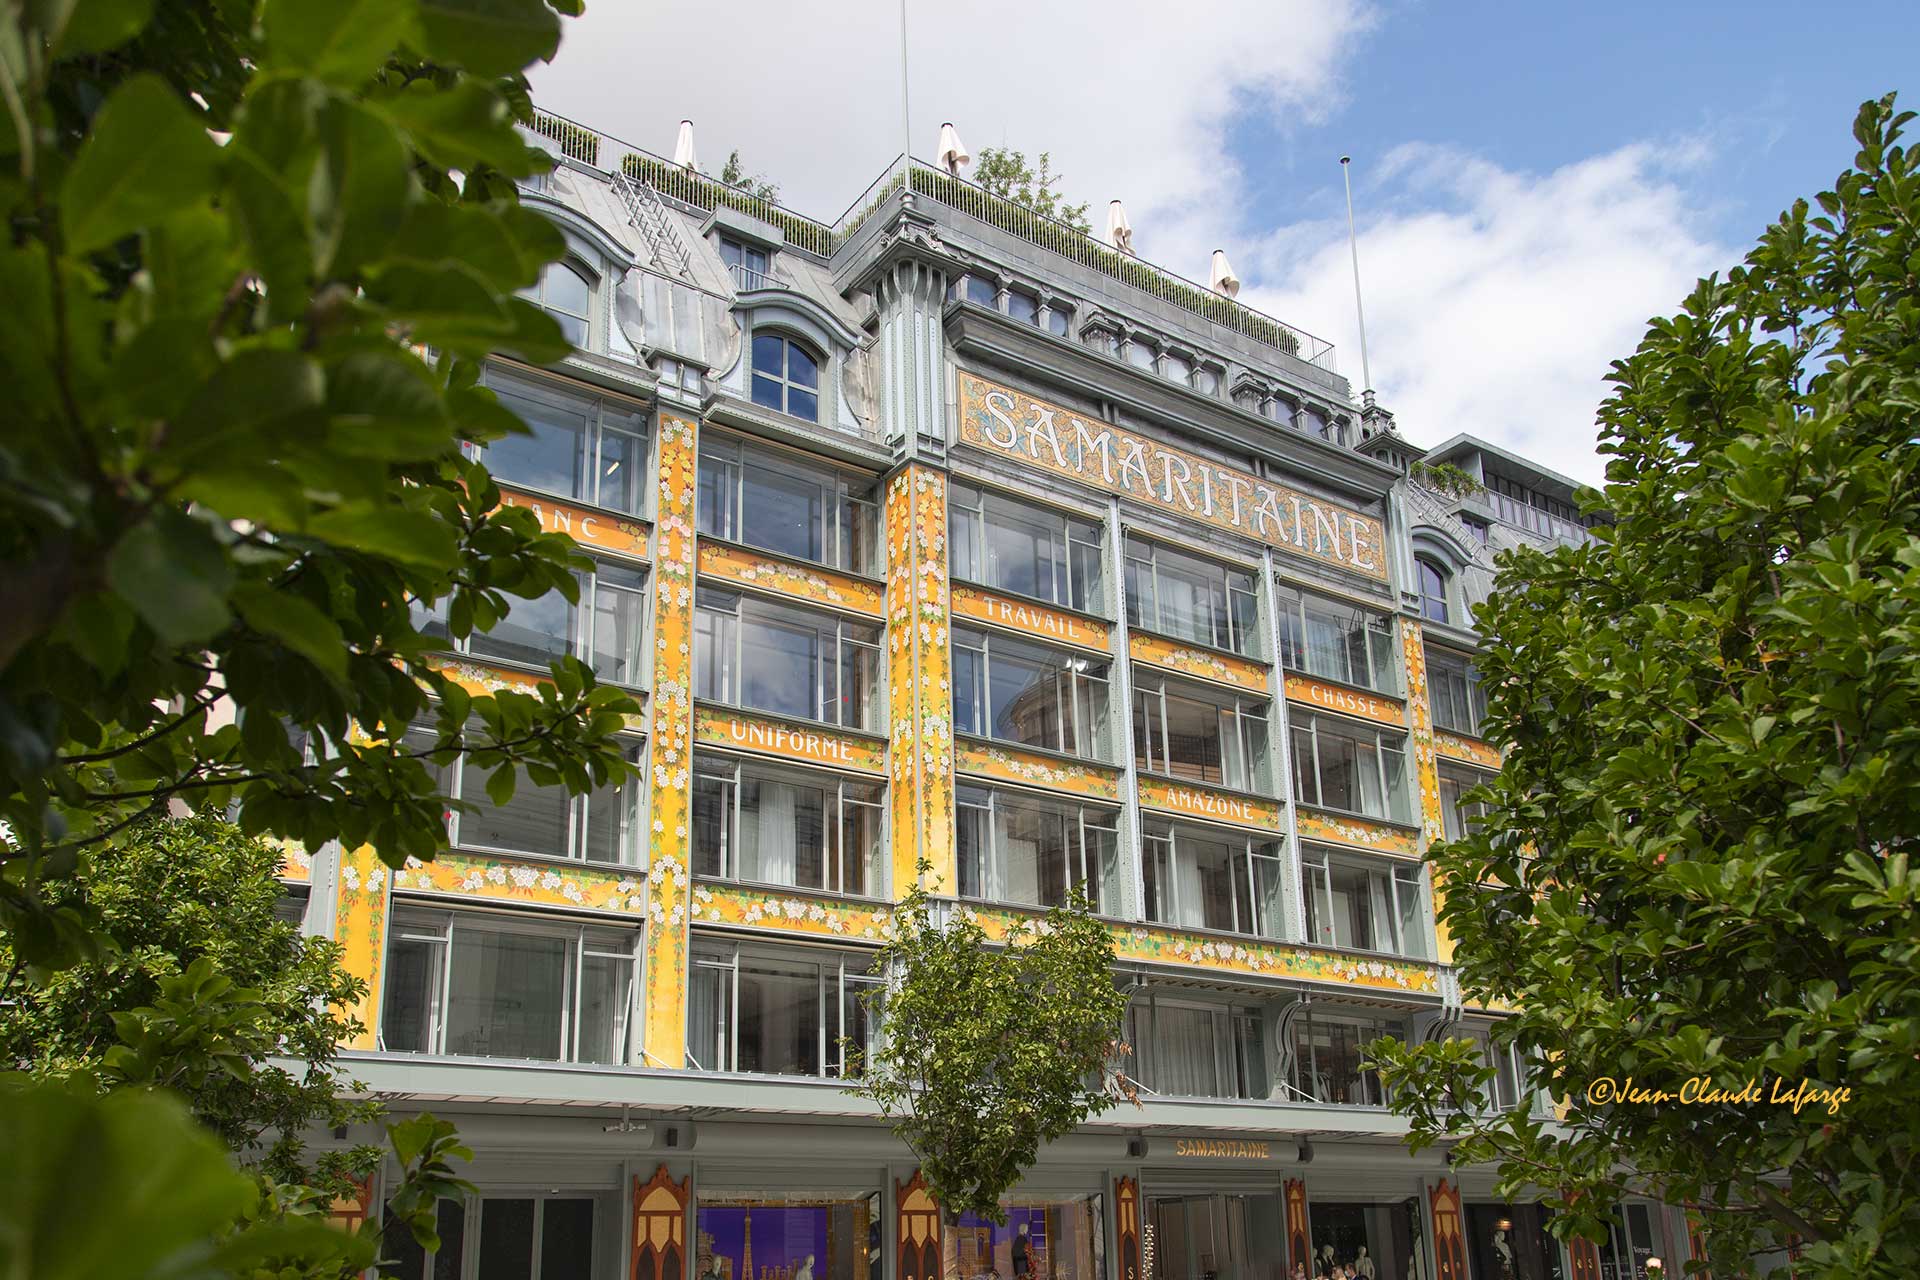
695,191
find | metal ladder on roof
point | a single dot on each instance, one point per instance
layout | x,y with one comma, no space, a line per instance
645,211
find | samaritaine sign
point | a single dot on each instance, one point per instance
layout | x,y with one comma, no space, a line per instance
1058,439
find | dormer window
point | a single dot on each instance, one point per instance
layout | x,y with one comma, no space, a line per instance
1433,591
566,294
749,265
786,376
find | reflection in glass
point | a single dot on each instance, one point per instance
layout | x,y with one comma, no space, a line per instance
1058,1239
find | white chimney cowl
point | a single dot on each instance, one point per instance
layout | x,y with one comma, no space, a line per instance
1119,230
683,148
1223,281
952,152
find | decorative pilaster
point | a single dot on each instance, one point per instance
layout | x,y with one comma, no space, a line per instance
670,747
1126,1226
911,292
917,1228
919,679
360,927
659,1247
1299,1236
1449,1234
1426,764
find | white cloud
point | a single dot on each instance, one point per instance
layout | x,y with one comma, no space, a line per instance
1132,98
1495,299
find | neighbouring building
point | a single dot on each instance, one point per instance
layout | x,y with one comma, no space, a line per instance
945,532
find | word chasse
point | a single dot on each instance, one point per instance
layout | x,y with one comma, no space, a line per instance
1094,452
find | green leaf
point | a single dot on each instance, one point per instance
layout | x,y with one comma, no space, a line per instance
415,539
146,157
121,1185
175,575
489,37
359,192
95,26
463,126
298,625
340,41
256,394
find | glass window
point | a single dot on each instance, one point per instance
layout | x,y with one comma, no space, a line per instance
1028,693
1186,1048
587,448
777,1012
408,1261
1190,598
786,376
1206,380
1176,368
1031,851
1043,1239
1361,904
1183,732
815,1233
1433,591
781,503
1205,880
1459,816
600,826
1459,703
1138,352
1343,765
1509,1080
983,290
1058,318
606,629
1018,546
1327,1051
747,264
1022,305
1336,641
564,292
750,652
487,986
786,826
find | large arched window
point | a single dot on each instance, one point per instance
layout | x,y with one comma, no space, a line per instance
566,295
1433,591
786,376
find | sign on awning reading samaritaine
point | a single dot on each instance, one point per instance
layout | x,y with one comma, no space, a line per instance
1057,439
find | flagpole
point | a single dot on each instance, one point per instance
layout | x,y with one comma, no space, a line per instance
906,119
1353,247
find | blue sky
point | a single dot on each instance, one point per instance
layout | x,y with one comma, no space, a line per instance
1533,181
1768,90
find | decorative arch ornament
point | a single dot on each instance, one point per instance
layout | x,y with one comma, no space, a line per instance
659,1227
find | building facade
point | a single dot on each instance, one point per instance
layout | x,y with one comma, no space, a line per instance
944,534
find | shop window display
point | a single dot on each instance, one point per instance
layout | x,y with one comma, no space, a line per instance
777,1237
1510,1242
1373,1241
1059,1239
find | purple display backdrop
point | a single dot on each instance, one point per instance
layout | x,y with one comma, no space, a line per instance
782,1239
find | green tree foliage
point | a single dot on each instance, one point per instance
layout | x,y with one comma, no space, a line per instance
126,1185
1006,173
735,175
189,903
1698,859
229,468
991,1050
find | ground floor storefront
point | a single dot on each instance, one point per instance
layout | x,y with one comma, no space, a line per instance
704,1185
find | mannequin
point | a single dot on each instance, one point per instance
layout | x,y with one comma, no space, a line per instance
806,1270
1022,1254
1363,1265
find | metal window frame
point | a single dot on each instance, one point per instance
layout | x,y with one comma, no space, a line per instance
733,773
1239,709
1069,715
1234,642
1073,843
1241,851
828,967
829,668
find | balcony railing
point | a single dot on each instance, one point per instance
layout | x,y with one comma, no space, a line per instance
696,191
747,279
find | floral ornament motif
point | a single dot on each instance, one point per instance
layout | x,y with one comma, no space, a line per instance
802,582
1261,956
1470,750
479,678
787,913
1199,662
360,927
672,742
296,864
989,761
1356,833
1413,645
919,674
509,880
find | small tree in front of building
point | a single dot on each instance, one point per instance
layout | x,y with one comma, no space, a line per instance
992,1046
1695,874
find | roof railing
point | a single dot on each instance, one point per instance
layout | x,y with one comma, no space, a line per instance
696,191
